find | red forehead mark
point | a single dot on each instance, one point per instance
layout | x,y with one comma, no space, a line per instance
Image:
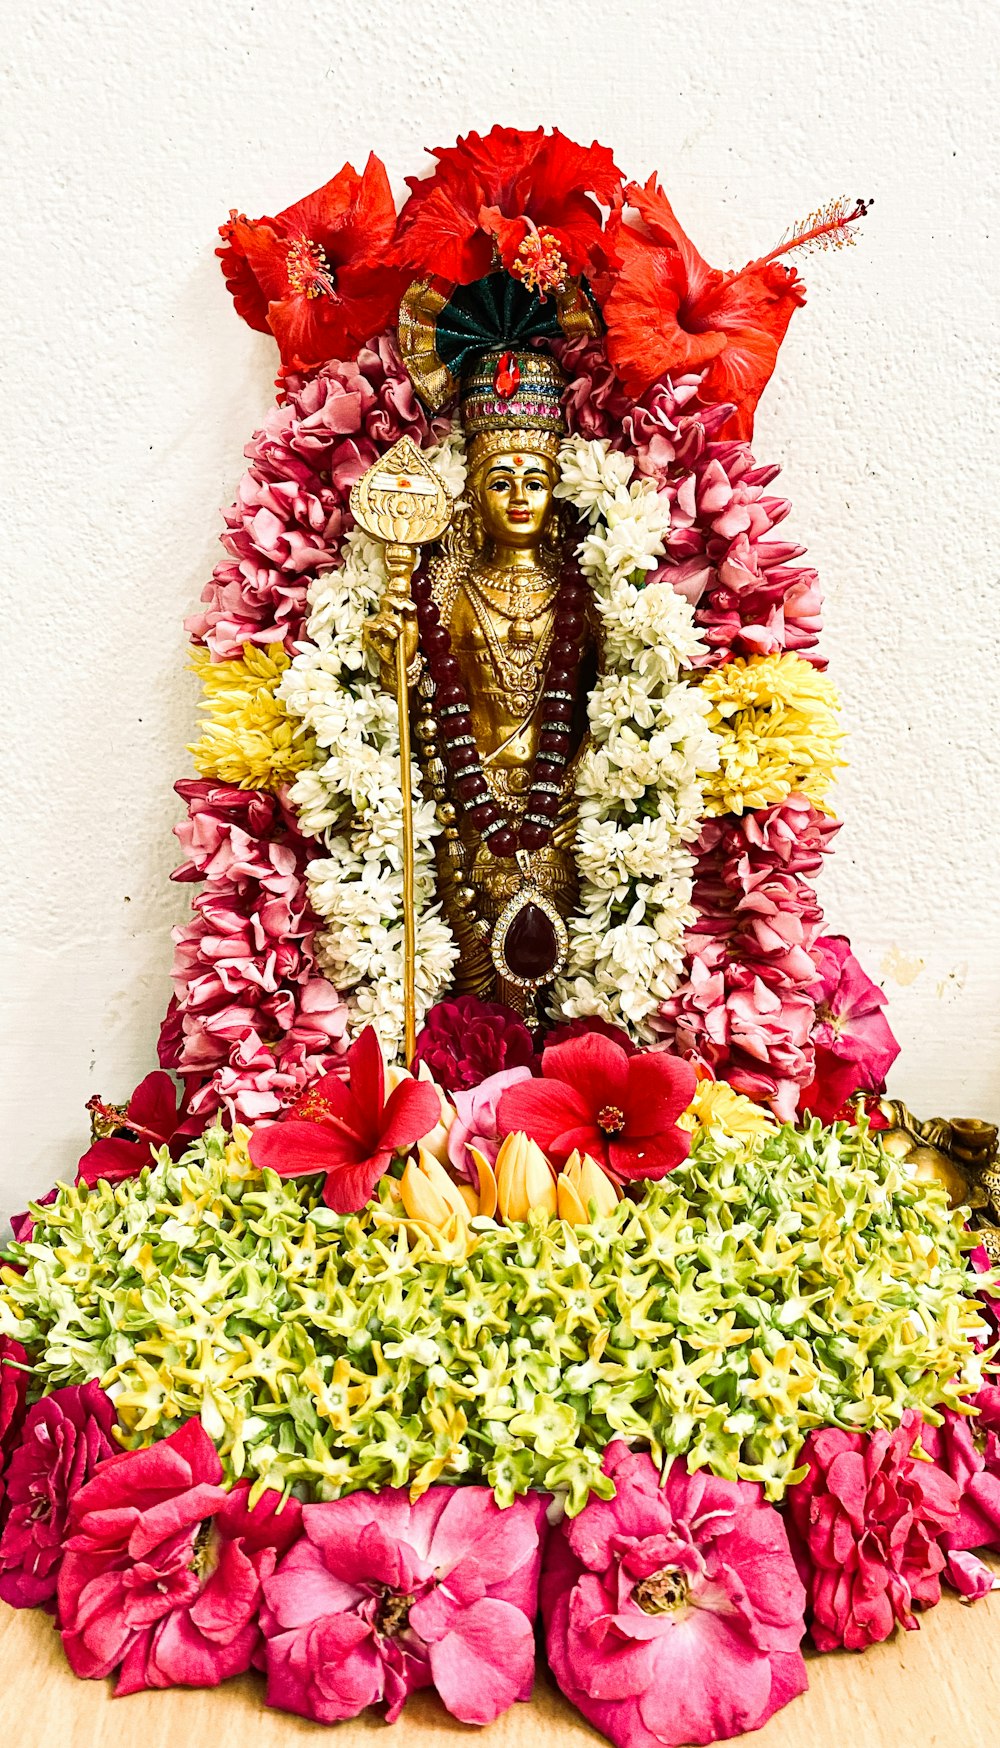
519,461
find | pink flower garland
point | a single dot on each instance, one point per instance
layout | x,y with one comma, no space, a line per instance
748,1004
291,511
252,1022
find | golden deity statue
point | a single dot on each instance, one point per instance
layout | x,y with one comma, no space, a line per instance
500,650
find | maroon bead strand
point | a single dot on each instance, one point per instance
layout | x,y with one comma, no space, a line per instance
468,780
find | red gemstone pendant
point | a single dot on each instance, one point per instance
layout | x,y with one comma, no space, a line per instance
530,940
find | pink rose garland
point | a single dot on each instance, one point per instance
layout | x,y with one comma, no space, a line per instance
382,1597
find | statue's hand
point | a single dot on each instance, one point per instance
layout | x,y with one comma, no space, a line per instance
395,622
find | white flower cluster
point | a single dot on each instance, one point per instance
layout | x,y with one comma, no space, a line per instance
639,783
353,803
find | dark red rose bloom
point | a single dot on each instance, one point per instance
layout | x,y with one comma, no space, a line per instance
491,195
153,1118
584,1027
466,1040
316,275
595,1098
66,1435
13,1392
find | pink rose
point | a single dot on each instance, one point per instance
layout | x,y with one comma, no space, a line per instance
162,1573
968,1449
673,1613
867,1523
381,1597
66,1435
475,1124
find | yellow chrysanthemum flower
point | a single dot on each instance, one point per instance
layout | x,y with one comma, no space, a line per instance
716,1106
775,720
248,738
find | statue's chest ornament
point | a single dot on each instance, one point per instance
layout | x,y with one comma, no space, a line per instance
528,942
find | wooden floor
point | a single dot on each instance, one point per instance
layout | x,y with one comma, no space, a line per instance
939,1688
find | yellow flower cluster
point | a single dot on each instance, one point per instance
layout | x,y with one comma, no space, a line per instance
248,739
775,720
717,1108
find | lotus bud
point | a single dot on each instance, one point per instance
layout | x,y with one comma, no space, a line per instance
436,1141
421,1199
487,1183
439,1180
580,1183
524,1179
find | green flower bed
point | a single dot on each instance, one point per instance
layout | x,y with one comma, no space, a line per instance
767,1287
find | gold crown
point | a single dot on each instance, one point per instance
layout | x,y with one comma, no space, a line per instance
513,400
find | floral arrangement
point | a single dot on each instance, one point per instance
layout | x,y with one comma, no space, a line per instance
629,1326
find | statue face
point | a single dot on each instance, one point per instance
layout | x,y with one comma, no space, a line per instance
514,497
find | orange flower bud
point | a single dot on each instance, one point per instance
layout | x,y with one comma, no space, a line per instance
524,1179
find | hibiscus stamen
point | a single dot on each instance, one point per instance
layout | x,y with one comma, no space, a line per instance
829,227
105,1119
611,1120
393,1613
539,264
309,271
662,1592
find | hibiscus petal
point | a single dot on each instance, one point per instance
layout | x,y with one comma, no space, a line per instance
544,1109
293,1148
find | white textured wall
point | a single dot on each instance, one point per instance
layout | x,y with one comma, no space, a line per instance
129,388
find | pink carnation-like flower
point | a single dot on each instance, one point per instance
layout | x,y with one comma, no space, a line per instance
162,1574
252,1022
868,1522
66,1435
291,511
595,403
13,1395
464,1039
476,1123
854,1044
673,1613
381,1597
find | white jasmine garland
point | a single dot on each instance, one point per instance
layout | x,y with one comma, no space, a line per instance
639,782
352,802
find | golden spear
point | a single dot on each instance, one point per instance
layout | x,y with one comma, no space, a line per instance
404,503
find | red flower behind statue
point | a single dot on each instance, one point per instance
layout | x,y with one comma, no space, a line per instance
316,276
508,192
593,1096
668,311
348,1128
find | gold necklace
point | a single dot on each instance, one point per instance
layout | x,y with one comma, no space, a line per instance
522,663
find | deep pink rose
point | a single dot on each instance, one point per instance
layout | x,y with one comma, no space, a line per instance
968,1449
868,1521
465,1039
13,1392
162,1573
673,1613
65,1436
381,1597
855,1046
475,1123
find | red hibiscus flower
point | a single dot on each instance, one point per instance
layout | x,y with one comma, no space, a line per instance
152,1118
162,1574
669,311
529,197
348,1128
595,1097
855,1046
315,276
